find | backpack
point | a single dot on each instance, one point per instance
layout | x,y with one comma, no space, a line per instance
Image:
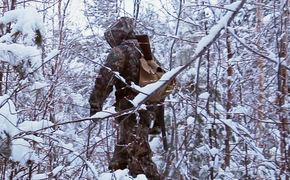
151,72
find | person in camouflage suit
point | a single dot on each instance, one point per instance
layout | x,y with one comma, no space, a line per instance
133,150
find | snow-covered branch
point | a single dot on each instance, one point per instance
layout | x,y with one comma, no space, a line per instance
268,57
149,90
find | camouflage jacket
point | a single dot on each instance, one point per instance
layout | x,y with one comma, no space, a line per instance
123,59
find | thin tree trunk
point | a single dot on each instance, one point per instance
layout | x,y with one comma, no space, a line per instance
1,83
229,104
5,6
13,2
60,24
283,90
136,8
176,31
212,131
260,80
229,100
261,75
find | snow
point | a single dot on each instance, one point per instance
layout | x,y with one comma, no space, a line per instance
93,169
269,164
51,55
22,53
21,151
57,170
77,66
267,19
34,125
27,21
204,95
77,99
231,124
39,85
151,88
216,29
20,148
104,113
117,74
214,151
8,117
271,56
155,144
121,175
287,105
239,110
190,120
39,176
216,162
34,138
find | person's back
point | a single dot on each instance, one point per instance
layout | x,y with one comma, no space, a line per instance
133,150
123,58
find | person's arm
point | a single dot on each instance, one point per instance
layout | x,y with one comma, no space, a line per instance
106,80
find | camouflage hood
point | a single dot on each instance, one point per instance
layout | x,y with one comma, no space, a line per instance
122,29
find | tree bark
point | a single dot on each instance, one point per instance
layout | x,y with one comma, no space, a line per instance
229,100
261,75
229,104
176,31
283,90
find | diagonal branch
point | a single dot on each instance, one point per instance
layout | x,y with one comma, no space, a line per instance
202,46
269,58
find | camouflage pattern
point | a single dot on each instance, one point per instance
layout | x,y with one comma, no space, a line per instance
132,150
120,30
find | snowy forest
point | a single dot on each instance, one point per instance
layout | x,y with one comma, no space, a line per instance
227,117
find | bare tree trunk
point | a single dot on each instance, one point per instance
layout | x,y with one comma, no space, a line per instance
259,126
60,24
261,75
1,82
136,8
176,31
229,100
5,6
13,2
170,155
212,131
229,104
283,90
